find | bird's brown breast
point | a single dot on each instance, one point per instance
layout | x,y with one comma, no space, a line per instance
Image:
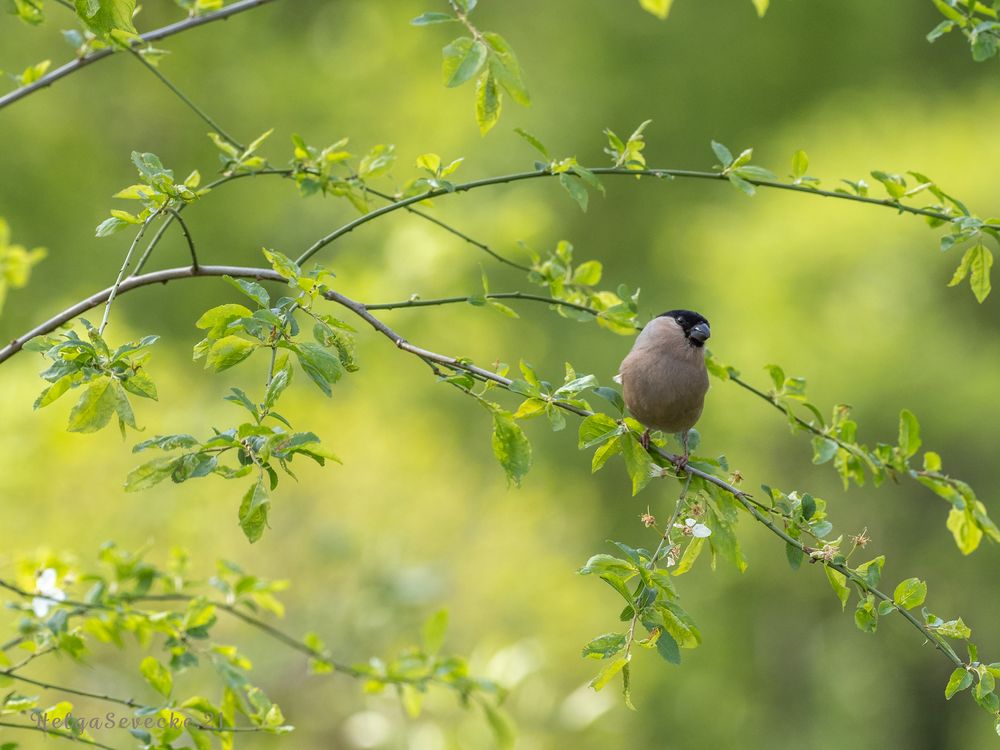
664,378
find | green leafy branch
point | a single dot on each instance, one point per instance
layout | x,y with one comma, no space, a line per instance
101,15
976,20
836,441
116,605
513,457
485,56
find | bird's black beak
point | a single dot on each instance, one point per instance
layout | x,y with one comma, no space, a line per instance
700,333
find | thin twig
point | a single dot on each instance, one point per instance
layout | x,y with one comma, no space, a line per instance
499,295
187,235
620,171
133,282
448,228
152,36
125,264
190,104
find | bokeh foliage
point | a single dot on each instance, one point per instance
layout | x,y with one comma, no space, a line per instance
418,516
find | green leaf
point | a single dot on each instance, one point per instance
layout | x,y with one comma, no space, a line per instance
865,616
602,564
723,154
109,227
691,553
157,675
104,16
57,389
659,8
606,674
253,510
426,19
217,319
589,273
871,571
956,629
960,680
141,385
150,473
511,447
909,433
503,730
576,189
228,352
95,407
506,69
322,367
283,264
637,462
596,429
251,289
277,386
535,143
910,593
488,102
980,265
743,185
434,630
463,59
679,625
761,6
963,527
800,163
605,646
839,583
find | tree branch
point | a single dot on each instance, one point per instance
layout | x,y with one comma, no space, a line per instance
743,498
619,171
181,95
113,291
498,295
152,36
133,282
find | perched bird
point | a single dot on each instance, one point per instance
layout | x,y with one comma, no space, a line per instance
664,379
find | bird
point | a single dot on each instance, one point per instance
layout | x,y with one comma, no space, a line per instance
664,379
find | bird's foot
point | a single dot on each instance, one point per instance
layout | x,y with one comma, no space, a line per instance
644,440
681,462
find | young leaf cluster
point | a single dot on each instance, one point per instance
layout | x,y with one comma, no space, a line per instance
978,22
262,445
577,284
157,192
107,375
328,171
482,55
836,441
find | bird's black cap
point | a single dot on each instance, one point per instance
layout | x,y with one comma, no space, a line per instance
690,321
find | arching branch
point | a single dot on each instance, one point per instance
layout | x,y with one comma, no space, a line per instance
152,36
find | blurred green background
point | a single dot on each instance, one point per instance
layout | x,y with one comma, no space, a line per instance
419,517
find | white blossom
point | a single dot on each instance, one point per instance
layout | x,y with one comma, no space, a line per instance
691,527
49,593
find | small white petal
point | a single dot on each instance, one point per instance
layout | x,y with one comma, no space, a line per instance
40,606
618,378
57,594
46,579
701,530
689,522
671,561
